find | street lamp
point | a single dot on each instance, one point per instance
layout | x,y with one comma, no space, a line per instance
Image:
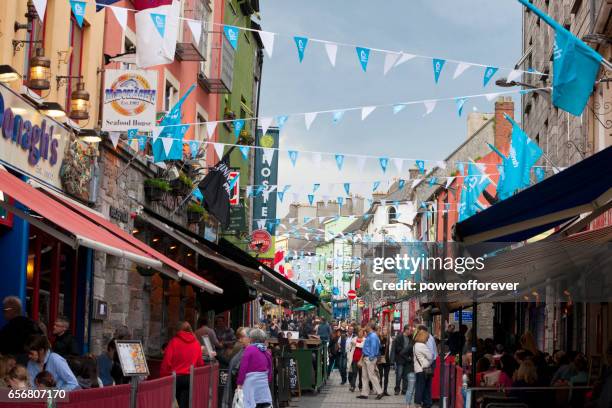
504,83
395,221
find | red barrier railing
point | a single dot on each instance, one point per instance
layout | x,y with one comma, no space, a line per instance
107,397
158,393
204,389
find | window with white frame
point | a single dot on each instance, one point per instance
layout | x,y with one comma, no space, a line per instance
391,215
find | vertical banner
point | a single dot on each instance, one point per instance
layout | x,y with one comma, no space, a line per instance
266,175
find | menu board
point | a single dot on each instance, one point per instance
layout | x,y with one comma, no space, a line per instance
294,376
208,349
132,358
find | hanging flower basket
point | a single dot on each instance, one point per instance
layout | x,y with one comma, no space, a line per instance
156,189
195,213
182,185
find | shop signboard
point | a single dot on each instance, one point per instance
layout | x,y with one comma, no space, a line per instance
237,218
234,178
266,175
261,241
31,142
129,100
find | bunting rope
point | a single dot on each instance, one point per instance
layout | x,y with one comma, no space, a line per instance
402,56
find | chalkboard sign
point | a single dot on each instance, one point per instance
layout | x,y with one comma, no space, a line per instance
294,376
223,377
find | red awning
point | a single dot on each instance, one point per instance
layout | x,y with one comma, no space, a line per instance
67,223
183,273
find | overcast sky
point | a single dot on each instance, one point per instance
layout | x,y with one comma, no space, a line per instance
482,31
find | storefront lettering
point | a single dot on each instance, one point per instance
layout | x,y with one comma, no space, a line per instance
37,140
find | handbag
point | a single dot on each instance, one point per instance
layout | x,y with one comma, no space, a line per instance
428,371
360,362
238,401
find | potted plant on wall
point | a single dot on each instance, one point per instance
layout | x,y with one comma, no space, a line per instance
155,189
182,185
195,212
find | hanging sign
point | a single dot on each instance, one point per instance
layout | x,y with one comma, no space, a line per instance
266,178
129,100
234,179
261,241
351,294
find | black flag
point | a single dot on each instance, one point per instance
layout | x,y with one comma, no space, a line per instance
216,191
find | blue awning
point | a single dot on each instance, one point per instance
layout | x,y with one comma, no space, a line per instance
579,189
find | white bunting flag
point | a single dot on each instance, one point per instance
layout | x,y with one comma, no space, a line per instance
265,124
41,7
461,68
121,16
156,132
267,39
415,182
449,181
429,107
514,75
316,160
268,155
366,110
491,97
309,118
114,137
360,163
156,35
219,147
167,142
404,58
441,164
196,30
331,50
390,61
399,164
210,129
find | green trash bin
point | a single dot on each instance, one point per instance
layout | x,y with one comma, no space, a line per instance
312,369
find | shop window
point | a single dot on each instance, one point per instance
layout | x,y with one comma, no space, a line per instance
128,46
76,56
201,127
170,96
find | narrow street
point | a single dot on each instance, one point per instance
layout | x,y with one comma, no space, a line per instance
336,395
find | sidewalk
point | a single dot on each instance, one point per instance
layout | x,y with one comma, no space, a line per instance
335,395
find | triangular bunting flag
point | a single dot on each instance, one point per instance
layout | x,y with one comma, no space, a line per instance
366,110
384,162
238,126
491,96
121,14
401,183
488,74
196,30
301,43
315,187
421,166
415,182
219,147
364,56
438,64
339,161
155,134
332,51
399,164
78,10
210,129
167,142
449,181
429,107
398,108
281,195
280,121
404,58
265,124
441,164
232,33
375,186
193,148
460,102
310,201
309,118
347,188
159,21
267,39
514,75
245,152
41,7
293,155
461,68
391,59
114,137
337,116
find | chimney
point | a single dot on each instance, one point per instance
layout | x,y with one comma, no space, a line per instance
503,128
414,174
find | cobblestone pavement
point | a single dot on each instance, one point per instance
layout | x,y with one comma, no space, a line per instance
334,395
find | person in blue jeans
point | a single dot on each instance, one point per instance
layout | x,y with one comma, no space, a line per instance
402,352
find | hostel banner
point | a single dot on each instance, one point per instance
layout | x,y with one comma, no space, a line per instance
129,100
266,175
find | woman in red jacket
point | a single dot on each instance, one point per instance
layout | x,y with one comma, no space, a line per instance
183,351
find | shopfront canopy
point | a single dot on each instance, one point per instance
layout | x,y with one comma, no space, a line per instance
76,226
582,188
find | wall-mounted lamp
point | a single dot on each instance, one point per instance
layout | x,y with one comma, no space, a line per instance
40,71
93,136
30,15
52,109
8,74
79,103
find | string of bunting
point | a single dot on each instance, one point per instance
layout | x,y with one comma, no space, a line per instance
392,58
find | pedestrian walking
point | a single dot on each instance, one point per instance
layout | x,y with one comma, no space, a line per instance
355,347
403,351
183,352
369,371
342,356
384,360
234,367
423,359
255,373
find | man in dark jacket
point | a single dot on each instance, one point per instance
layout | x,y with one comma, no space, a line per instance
402,350
17,331
64,345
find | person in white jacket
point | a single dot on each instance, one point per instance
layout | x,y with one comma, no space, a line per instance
423,358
